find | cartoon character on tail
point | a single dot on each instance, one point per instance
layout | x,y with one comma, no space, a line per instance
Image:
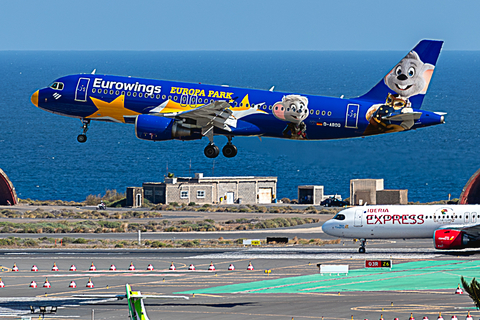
293,109
408,78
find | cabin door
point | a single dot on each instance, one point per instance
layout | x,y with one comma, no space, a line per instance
357,222
81,91
351,118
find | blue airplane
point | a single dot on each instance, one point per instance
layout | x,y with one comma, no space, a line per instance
164,110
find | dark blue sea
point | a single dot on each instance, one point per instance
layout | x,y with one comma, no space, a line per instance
41,156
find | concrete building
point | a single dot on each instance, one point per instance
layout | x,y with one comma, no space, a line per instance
371,191
212,190
311,194
392,196
364,191
134,197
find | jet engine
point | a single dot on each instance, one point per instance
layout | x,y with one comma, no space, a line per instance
156,128
451,239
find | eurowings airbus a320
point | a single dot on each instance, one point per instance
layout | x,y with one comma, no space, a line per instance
164,110
450,226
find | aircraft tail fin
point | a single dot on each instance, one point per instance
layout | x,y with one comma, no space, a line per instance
409,79
136,308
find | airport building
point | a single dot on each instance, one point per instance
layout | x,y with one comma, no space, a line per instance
314,195
371,191
212,190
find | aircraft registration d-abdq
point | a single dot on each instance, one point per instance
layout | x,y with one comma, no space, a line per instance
164,110
451,227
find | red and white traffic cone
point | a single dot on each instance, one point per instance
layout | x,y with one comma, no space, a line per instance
92,268
132,267
231,267
33,284
47,284
172,267
73,268
440,316
54,268
89,283
468,317
15,268
113,268
2,285
72,284
150,267
250,267
459,290
191,267
34,268
211,267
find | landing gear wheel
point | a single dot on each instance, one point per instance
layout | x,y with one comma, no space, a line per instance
82,138
211,151
363,243
229,151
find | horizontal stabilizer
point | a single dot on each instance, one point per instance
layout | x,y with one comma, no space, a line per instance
405,116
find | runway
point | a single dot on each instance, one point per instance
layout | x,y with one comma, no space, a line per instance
279,295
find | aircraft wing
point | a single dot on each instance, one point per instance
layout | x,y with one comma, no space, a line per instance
215,114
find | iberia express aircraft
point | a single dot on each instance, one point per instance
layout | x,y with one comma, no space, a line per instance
450,226
164,110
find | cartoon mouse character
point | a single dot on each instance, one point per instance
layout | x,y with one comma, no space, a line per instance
408,78
293,109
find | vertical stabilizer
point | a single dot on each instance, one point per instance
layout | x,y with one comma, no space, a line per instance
136,307
409,79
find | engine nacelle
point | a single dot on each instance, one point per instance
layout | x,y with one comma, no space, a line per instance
155,128
450,239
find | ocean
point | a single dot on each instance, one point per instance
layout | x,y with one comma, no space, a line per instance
41,156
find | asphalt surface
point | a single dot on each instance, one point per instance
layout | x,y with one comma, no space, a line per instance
283,262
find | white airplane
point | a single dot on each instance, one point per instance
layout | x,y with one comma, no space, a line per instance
451,226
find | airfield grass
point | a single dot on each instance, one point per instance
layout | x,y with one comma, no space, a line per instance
418,275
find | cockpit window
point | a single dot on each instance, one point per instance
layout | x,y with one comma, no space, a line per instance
57,86
339,216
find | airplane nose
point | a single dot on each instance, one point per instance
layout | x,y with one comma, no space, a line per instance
326,226
34,98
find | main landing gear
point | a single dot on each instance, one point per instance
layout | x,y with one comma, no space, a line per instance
82,138
212,151
363,243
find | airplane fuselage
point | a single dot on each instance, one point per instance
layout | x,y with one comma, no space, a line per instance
164,110
87,97
406,222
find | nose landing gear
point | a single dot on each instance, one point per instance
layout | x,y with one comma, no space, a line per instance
82,138
363,243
